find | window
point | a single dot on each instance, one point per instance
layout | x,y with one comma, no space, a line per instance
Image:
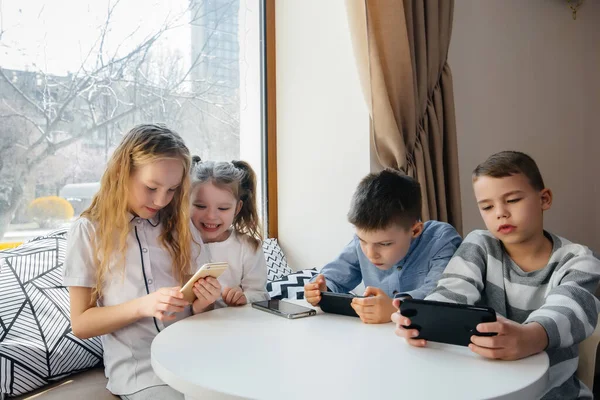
77,75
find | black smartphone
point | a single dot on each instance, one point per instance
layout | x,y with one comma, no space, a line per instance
446,322
284,309
338,303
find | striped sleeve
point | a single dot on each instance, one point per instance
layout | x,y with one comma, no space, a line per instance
463,279
570,311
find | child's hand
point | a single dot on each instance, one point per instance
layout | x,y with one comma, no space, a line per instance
207,291
512,342
401,321
312,291
162,304
234,296
375,309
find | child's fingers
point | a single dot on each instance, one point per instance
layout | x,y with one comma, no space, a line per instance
231,296
488,327
213,282
372,291
320,282
210,288
201,292
313,300
225,292
396,303
409,335
174,301
366,301
312,294
406,333
490,342
237,296
487,353
362,309
400,319
417,342
171,292
164,307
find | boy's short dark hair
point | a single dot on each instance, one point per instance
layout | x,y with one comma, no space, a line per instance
384,198
507,163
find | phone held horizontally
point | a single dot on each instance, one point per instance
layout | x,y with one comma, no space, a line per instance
446,322
338,303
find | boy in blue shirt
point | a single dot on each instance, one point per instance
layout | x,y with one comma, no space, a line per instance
392,252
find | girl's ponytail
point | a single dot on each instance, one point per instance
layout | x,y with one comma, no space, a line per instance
247,220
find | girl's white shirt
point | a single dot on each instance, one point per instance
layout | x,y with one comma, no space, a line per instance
148,267
247,265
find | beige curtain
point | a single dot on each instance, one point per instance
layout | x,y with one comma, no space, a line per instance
401,48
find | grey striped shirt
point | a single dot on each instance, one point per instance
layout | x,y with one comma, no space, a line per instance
560,297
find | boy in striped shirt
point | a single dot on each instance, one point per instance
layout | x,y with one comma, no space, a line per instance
541,285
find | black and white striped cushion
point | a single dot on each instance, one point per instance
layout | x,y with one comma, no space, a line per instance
36,342
291,286
277,266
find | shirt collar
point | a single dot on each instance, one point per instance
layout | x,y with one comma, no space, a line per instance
152,221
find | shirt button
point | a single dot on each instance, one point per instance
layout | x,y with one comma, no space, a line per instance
395,292
399,267
150,281
138,220
145,250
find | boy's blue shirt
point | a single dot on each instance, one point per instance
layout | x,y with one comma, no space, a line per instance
416,274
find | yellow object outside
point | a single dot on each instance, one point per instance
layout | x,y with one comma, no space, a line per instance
9,245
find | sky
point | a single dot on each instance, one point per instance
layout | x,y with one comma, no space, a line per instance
56,35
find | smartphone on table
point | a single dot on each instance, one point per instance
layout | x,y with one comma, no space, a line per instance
446,322
284,309
211,269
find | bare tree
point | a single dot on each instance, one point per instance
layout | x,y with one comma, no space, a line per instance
42,114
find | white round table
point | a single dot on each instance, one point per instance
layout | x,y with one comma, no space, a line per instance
247,353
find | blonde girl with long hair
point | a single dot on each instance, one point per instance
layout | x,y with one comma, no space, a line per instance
128,254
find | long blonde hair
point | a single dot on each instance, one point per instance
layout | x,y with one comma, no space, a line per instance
143,144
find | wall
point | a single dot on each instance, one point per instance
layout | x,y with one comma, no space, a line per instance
526,78
322,129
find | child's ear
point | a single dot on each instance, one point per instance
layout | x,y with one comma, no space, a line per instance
416,229
238,208
546,198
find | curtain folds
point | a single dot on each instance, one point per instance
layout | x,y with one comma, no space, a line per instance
401,50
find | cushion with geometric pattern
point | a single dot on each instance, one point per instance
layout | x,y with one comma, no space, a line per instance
37,345
291,286
277,266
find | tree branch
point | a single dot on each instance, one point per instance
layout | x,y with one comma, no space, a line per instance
22,95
